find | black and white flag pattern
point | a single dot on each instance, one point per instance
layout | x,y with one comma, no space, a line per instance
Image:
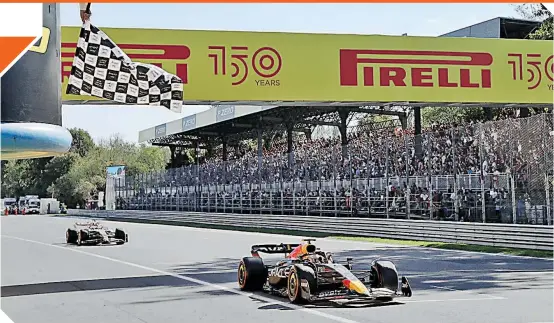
101,69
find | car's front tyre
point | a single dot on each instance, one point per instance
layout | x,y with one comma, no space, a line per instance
294,285
71,236
385,275
122,236
82,236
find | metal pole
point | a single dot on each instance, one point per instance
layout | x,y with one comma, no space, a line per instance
260,166
306,179
282,186
455,166
407,193
209,191
271,188
351,182
546,180
512,177
335,183
240,186
482,172
198,194
224,182
552,177
429,175
250,207
368,193
319,189
387,143
293,172
146,199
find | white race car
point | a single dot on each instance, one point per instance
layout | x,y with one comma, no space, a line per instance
94,233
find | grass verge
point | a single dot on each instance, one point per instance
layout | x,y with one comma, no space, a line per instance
454,246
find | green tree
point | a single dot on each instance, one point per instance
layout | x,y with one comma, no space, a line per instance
15,179
82,142
83,180
537,11
442,115
87,175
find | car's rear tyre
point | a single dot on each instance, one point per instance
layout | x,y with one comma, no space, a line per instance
70,236
251,274
294,287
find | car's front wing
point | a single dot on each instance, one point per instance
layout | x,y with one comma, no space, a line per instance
100,240
375,295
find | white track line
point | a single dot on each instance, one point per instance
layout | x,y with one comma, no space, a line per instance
197,281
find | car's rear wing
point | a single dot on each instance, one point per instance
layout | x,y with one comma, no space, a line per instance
89,225
273,248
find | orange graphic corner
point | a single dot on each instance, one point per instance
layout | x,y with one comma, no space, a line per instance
10,48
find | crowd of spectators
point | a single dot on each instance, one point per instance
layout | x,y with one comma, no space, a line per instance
521,148
500,147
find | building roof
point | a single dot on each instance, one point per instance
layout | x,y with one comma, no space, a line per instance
499,27
237,123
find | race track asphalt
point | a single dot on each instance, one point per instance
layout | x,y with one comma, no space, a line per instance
169,274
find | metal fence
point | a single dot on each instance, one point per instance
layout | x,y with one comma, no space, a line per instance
498,171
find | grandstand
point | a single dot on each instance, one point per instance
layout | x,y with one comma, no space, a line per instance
498,171
381,176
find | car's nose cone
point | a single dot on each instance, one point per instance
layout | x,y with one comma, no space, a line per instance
356,286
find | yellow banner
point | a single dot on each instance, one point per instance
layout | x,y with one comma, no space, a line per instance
252,66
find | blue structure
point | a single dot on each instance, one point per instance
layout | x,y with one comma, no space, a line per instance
30,98
33,140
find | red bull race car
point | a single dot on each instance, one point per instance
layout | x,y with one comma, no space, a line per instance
307,275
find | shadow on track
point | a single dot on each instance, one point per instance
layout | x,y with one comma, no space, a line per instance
426,269
317,305
93,285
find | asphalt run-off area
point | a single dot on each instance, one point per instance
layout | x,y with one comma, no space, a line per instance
186,275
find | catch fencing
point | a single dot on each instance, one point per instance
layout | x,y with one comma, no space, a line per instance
493,172
499,235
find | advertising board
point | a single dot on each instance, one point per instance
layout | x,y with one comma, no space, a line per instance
254,66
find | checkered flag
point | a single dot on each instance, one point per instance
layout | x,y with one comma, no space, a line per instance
101,69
